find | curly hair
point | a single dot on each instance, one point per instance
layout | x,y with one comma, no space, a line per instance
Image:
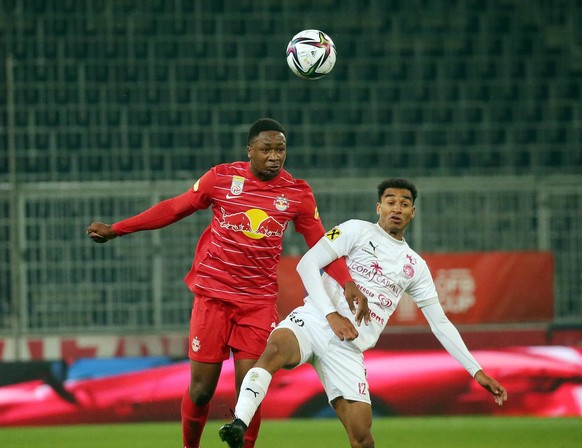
397,182
264,124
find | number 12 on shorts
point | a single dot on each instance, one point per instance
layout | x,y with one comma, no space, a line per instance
362,388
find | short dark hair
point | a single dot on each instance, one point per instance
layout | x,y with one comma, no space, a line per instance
397,182
265,124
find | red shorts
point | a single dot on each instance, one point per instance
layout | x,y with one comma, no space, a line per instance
218,327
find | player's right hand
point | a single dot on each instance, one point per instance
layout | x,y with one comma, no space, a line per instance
355,297
100,232
342,326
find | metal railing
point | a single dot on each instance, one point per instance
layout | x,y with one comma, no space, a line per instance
59,282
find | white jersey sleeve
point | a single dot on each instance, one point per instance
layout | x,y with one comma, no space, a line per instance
449,337
326,250
423,290
316,258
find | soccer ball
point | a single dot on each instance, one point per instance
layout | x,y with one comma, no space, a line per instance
311,54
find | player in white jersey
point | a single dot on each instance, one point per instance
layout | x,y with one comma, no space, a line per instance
324,333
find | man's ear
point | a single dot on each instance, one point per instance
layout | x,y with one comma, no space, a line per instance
378,208
413,212
249,152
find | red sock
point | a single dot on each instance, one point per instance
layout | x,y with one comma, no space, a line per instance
193,420
253,430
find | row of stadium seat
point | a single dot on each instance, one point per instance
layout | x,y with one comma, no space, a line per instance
448,161
116,139
160,7
393,116
230,45
514,97
361,51
269,70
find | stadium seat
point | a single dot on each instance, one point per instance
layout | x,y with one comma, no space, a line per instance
21,118
467,73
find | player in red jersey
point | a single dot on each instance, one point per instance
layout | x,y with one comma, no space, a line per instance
234,273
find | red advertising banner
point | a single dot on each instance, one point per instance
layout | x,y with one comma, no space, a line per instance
474,288
36,348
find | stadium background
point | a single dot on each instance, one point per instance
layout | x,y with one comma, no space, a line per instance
109,106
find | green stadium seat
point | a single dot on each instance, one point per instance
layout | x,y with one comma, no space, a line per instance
451,76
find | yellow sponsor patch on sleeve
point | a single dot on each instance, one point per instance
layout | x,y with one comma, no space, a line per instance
333,234
316,214
196,185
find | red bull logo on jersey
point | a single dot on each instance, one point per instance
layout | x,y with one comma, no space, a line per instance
254,223
281,203
195,344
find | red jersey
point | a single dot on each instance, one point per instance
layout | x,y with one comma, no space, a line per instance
238,253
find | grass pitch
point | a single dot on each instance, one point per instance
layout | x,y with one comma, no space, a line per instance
416,432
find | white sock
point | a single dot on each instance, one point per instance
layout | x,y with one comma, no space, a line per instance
252,391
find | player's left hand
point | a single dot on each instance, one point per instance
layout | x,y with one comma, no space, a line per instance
355,297
492,386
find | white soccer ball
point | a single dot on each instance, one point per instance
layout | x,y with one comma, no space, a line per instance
311,54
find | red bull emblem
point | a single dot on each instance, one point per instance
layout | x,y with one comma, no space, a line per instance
281,203
254,223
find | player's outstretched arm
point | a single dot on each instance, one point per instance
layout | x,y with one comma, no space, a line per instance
101,232
492,386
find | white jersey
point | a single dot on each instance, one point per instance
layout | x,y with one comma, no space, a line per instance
383,267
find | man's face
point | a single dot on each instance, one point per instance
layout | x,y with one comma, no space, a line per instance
267,153
395,210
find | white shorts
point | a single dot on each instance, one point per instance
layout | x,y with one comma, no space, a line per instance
339,366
